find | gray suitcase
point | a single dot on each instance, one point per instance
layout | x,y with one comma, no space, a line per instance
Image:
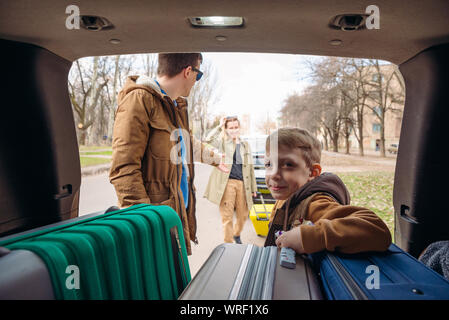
249,272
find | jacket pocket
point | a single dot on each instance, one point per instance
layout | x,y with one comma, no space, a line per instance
163,200
162,139
158,191
170,202
159,198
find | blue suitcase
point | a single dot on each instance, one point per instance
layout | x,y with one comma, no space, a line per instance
390,275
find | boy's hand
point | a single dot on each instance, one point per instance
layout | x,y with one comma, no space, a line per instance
254,194
291,239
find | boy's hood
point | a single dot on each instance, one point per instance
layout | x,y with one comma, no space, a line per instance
328,183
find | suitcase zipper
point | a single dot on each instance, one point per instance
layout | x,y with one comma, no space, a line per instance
354,289
177,254
180,254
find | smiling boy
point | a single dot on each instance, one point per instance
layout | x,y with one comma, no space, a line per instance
312,208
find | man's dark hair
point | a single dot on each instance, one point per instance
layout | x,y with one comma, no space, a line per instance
170,64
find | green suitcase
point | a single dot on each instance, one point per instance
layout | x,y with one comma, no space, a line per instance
135,253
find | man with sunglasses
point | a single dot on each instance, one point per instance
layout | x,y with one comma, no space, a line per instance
152,147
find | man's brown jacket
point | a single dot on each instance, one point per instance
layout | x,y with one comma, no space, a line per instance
146,166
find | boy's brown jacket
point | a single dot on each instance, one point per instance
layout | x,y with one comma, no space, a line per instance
337,226
144,148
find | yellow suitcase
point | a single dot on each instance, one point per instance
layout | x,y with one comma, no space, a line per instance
260,216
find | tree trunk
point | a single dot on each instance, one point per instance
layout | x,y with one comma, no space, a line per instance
346,132
93,93
335,142
83,137
361,151
326,143
382,139
113,106
101,129
347,144
360,140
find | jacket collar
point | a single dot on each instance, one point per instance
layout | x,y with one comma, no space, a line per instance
328,183
149,82
144,80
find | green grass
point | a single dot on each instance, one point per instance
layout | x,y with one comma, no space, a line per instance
372,190
86,161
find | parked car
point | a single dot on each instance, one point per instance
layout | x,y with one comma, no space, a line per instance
257,145
393,148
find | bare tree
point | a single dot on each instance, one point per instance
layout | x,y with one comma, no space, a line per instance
297,112
355,74
100,112
318,111
331,120
149,62
347,121
94,84
204,94
327,98
126,68
267,126
84,92
382,92
93,88
123,66
112,98
343,90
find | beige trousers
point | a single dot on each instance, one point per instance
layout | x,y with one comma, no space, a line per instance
233,198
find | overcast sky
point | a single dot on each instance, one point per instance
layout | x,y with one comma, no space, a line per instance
256,83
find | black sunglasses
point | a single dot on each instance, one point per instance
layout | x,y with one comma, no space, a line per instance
199,73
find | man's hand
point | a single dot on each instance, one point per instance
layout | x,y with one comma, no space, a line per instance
223,168
291,239
254,194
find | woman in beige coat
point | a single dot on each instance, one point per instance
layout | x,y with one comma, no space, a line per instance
232,191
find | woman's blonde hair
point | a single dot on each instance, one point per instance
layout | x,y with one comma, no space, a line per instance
298,138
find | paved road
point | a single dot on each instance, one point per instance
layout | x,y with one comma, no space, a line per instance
98,194
210,233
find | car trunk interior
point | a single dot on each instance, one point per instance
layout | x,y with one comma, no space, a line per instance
40,172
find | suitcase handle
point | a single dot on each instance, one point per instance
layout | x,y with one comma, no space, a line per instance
265,211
